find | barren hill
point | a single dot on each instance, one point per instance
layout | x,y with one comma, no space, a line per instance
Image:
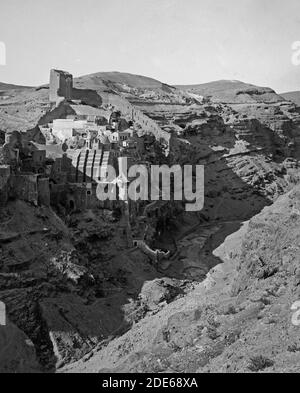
293,96
232,91
135,88
101,80
7,86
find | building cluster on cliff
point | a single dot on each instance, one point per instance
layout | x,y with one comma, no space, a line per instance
62,159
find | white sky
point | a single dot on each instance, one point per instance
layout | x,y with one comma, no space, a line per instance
175,41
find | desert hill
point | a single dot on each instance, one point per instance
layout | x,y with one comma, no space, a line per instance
7,86
101,80
136,89
233,91
293,96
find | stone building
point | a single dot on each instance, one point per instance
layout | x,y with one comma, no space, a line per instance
61,86
30,187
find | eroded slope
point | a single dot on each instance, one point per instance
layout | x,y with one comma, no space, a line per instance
238,319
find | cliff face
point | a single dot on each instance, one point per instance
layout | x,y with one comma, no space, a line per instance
244,147
244,157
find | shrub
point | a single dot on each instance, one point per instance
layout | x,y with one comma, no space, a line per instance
258,363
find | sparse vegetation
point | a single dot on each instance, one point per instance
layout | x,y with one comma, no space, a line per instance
259,363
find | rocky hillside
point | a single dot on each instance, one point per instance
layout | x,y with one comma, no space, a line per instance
102,80
127,91
239,319
227,91
5,86
21,109
17,353
293,96
66,283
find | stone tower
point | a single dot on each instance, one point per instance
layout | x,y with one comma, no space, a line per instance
61,85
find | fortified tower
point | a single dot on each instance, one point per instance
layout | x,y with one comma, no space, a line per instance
61,86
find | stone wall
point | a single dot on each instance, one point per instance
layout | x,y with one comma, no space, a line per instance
148,126
4,177
25,187
43,191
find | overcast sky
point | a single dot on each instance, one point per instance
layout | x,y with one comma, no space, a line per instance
175,41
